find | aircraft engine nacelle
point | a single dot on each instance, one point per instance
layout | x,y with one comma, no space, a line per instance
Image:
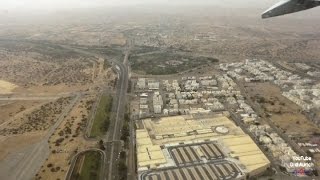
290,6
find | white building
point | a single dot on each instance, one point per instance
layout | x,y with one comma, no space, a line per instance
141,83
153,85
157,103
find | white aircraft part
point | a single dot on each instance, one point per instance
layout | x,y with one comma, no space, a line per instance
289,6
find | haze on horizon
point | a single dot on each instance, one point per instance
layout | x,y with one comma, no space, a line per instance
49,5
54,11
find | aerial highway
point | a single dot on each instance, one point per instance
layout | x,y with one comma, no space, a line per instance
112,138
114,133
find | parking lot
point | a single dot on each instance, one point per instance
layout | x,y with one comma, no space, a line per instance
185,155
211,151
195,153
203,161
218,170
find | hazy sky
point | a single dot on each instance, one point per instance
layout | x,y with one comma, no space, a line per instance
70,4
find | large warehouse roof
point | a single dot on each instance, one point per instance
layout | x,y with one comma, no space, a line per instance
158,134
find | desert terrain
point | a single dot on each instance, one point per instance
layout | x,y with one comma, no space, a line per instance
53,93
46,92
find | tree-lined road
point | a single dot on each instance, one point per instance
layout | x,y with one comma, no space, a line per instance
114,133
112,138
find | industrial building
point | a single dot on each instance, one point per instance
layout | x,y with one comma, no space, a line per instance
196,146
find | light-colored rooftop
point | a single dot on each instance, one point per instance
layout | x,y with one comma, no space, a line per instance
192,128
243,147
148,154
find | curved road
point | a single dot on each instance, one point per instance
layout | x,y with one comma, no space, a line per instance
114,145
75,158
112,139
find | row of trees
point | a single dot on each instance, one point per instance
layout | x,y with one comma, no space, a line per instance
125,130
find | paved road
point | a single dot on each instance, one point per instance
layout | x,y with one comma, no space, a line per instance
256,107
36,157
75,159
116,125
239,123
113,145
24,164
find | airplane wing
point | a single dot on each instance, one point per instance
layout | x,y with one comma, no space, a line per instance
289,6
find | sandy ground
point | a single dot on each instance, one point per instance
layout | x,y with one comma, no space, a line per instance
285,114
292,122
12,143
50,90
38,82
14,109
60,155
101,80
39,118
23,163
6,87
12,113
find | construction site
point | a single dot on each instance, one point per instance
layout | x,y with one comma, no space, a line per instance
196,146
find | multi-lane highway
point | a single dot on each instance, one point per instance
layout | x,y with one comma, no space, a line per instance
112,138
114,133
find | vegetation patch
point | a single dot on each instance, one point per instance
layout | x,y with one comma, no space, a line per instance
56,52
163,63
125,133
122,167
102,118
112,51
40,119
143,49
88,167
